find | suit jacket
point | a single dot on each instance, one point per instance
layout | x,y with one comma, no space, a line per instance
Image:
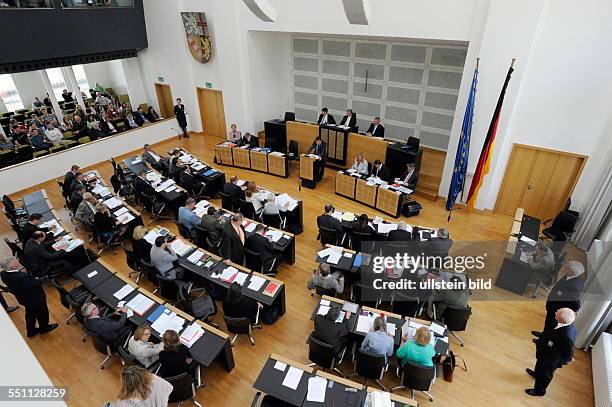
331,332
412,181
318,150
231,245
106,128
382,173
351,123
555,347
565,294
234,191
139,118
84,213
95,134
261,245
439,247
254,142
75,200
398,235
80,128
76,182
142,250
330,119
246,307
107,328
68,178
329,222
25,287
142,186
213,226
28,229
179,112
148,157
379,132
39,255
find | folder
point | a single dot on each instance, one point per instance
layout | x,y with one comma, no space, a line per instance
158,311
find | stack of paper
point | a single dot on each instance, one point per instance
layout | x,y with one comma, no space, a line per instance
195,256
123,292
74,244
53,222
127,218
337,215
324,253
348,216
136,160
364,323
527,240
250,227
168,321
323,309
404,190
316,389
180,247
113,203
140,304
334,257
121,211
276,235
151,236
350,307
191,334
229,274
256,283
384,228
164,185
380,399
285,200
240,278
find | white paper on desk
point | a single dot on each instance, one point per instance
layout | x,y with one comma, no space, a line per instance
280,366
241,278
202,204
316,389
325,302
123,292
195,256
121,211
285,199
250,227
334,257
228,273
136,160
355,174
323,309
350,307
324,253
525,257
437,329
127,218
191,334
391,329
53,222
179,247
348,255
292,379
241,182
404,190
140,304
199,211
93,273
99,188
408,330
527,240
380,399
364,323
170,189
337,215
74,244
162,322
151,236
113,203
164,185
348,216
386,227
256,282
276,235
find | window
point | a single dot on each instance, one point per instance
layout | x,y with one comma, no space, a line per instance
57,81
79,74
9,94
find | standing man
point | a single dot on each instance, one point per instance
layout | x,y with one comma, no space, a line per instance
29,292
325,117
318,148
554,348
232,241
564,294
179,112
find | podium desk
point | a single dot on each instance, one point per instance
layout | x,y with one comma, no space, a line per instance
278,165
345,184
336,139
223,154
389,202
307,171
365,193
259,160
242,157
302,133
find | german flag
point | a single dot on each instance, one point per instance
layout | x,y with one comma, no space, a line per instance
482,168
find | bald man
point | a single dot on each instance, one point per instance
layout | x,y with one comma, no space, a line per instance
554,348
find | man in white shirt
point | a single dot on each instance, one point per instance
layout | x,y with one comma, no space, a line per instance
102,100
376,129
151,157
53,135
325,117
234,135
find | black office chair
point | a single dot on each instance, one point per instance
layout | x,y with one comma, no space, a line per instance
73,299
252,260
323,355
456,320
329,236
273,221
356,241
370,367
202,307
293,154
417,377
183,230
366,295
101,346
320,291
169,290
154,206
562,226
226,201
405,305
246,209
183,389
128,360
132,262
268,401
240,326
202,239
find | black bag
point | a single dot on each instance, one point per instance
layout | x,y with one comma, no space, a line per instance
269,315
448,366
412,208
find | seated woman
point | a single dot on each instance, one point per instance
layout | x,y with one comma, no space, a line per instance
256,200
104,223
144,351
236,305
140,247
417,350
378,341
175,359
362,224
142,388
152,115
360,165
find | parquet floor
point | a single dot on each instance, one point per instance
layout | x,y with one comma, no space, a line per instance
498,342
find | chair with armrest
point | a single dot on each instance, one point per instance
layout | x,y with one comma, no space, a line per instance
417,377
128,360
329,236
183,389
370,367
73,299
246,209
357,238
101,346
226,201
405,305
240,326
562,226
456,320
323,355
273,221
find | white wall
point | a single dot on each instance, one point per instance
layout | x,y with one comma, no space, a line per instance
29,85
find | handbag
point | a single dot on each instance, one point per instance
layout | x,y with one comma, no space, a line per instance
448,366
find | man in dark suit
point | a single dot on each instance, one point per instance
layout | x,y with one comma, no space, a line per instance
328,221
29,293
141,184
76,197
349,120
325,117
554,349
79,126
410,178
68,178
32,225
233,240
564,294
400,234
234,191
259,243
179,112
151,157
248,140
376,129
380,171
79,179
327,330
439,245
41,255
319,147
111,328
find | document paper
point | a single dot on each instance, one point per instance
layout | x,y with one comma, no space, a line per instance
123,292
316,389
292,379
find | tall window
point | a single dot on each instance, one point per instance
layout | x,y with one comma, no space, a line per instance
79,74
9,94
57,81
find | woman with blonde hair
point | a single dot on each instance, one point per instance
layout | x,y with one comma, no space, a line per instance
144,351
140,247
418,350
140,388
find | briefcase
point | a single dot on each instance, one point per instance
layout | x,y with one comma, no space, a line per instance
412,208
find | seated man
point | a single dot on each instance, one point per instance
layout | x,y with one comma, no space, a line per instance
458,297
213,225
163,258
187,217
325,117
401,234
41,255
86,210
542,259
38,141
152,158
380,171
68,178
53,134
328,221
76,197
32,225
440,245
111,328
260,244
141,185
79,179
322,278
410,178
349,120
376,129
327,330
233,190
248,140
319,148
95,132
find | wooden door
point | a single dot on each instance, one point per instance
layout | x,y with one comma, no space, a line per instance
164,99
517,175
561,187
541,174
212,112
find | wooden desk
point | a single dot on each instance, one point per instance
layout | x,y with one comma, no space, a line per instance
270,380
259,161
223,154
398,401
373,148
388,202
345,185
242,158
365,193
307,171
277,165
304,133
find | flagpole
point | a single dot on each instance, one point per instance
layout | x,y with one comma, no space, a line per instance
464,178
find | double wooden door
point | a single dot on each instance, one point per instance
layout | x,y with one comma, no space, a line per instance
164,99
538,180
212,112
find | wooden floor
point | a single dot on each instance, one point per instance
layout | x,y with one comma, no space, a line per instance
498,343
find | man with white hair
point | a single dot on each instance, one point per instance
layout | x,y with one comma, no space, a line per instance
564,294
29,293
554,348
401,234
110,328
542,259
439,245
